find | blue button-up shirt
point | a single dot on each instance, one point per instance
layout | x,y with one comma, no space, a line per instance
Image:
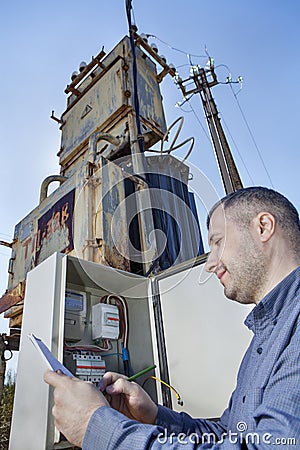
264,409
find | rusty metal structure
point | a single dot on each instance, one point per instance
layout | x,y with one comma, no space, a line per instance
121,222
101,163
120,202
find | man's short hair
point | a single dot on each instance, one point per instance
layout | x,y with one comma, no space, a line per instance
244,204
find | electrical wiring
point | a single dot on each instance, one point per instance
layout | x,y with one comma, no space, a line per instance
174,48
198,120
237,149
5,235
173,146
112,354
178,397
120,302
89,347
252,136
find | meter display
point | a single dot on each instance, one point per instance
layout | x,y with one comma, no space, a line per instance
75,315
74,301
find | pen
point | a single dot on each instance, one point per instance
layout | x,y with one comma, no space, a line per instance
142,372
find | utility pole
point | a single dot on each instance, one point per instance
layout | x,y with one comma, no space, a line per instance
229,173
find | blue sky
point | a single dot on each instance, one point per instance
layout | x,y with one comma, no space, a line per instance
42,43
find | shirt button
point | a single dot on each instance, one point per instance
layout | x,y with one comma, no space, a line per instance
259,350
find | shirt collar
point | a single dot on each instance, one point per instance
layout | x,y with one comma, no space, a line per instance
274,303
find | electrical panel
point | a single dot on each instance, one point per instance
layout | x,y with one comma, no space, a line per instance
95,338
105,321
71,287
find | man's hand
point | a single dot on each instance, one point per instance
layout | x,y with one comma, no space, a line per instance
128,398
75,401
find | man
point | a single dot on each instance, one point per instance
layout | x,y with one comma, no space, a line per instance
254,236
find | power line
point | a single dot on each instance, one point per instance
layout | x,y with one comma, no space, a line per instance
252,136
5,235
237,149
4,254
176,49
198,120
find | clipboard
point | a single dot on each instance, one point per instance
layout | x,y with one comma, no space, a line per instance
48,356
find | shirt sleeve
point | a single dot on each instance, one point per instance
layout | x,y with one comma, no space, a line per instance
110,430
276,417
182,422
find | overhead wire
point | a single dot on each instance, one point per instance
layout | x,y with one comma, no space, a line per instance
189,56
174,48
237,149
5,235
252,136
4,254
197,118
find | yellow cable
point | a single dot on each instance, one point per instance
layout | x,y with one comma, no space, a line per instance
179,400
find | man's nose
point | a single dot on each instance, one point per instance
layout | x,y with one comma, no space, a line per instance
212,262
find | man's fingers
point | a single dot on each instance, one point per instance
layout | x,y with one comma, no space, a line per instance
110,378
53,378
121,386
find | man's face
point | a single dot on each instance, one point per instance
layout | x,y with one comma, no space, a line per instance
235,258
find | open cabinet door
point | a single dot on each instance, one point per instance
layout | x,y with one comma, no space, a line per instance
32,422
61,293
203,337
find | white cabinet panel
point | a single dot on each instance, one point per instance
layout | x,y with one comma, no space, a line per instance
32,424
205,340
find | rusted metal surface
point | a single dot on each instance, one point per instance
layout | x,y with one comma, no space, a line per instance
6,244
166,68
15,315
13,339
106,95
55,229
115,230
104,99
47,229
12,297
74,218
45,185
95,61
98,136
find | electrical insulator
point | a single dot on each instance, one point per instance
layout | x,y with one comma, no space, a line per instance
154,47
74,75
144,37
82,66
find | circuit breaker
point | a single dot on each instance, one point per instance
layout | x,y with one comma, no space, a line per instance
105,321
89,367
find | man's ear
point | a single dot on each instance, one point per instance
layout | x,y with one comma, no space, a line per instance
265,225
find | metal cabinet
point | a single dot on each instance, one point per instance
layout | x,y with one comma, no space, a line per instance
179,320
